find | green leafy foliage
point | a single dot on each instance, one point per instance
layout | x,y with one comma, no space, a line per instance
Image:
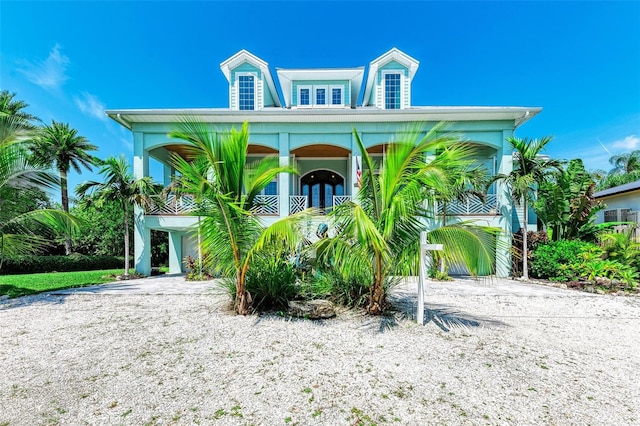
548,259
566,203
31,264
224,185
271,280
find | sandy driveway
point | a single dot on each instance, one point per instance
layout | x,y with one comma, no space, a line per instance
492,352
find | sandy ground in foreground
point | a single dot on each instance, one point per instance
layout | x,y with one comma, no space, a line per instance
491,352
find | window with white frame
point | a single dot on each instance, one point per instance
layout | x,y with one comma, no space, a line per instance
336,96
246,91
304,95
392,93
321,95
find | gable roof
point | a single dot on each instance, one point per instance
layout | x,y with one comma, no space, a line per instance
286,76
627,187
244,56
394,54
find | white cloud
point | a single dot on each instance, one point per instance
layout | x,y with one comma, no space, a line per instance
628,143
49,74
91,106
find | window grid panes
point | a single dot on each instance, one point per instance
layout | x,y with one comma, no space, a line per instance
246,96
321,98
304,97
392,91
271,188
336,96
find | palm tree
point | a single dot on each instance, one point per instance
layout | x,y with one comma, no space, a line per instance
60,146
120,186
529,171
27,232
225,187
15,123
381,232
625,163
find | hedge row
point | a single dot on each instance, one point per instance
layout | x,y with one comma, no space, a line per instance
75,262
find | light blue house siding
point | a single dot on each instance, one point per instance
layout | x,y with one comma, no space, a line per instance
320,144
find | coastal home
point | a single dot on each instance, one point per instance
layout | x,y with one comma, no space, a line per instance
307,121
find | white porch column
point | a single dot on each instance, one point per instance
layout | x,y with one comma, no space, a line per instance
503,248
284,179
175,252
141,234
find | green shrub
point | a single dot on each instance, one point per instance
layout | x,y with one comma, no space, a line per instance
38,264
348,289
555,260
271,280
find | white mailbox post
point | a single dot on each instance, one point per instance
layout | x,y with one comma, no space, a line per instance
424,248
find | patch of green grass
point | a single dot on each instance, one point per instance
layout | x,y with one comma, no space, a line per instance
25,284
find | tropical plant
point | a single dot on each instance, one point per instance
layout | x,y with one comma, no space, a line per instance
23,232
15,123
565,201
626,163
530,169
225,187
381,233
622,246
120,186
60,146
612,180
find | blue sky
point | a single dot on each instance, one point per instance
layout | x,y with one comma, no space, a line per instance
580,61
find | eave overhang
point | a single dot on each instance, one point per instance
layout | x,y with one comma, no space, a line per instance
394,54
128,117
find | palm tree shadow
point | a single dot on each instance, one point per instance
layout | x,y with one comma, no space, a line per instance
44,298
443,316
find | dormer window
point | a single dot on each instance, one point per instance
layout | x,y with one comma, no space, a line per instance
304,96
392,92
336,96
321,96
246,92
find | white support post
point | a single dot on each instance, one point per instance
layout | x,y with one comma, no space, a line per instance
424,248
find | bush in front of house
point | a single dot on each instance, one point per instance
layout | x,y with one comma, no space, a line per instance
29,264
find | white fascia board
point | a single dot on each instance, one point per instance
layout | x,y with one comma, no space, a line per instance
360,115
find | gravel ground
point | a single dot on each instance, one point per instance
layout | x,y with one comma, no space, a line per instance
489,354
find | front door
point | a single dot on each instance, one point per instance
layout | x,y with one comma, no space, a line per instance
320,186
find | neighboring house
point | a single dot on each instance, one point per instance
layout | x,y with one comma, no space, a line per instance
622,203
308,123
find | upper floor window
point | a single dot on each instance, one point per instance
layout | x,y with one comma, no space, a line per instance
321,96
304,96
336,96
246,92
392,91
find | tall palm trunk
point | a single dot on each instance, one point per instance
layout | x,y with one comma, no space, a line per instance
525,254
65,207
376,294
126,239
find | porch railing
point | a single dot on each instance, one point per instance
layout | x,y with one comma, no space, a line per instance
297,203
173,205
471,206
339,199
266,205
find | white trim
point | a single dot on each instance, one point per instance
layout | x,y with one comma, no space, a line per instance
300,89
236,88
342,96
383,84
326,96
